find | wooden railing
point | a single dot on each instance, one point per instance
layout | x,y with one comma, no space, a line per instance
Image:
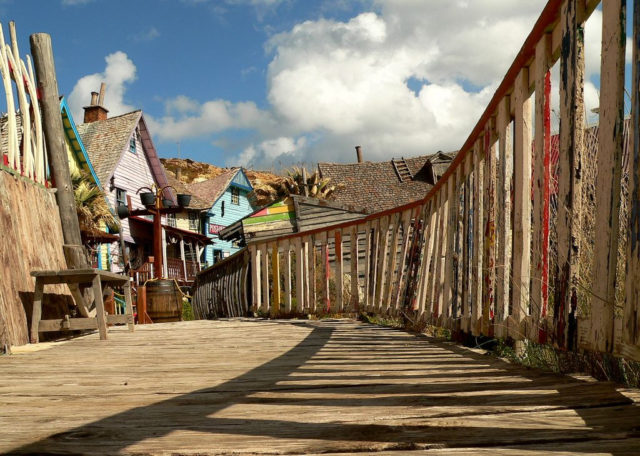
175,270
24,152
498,247
222,290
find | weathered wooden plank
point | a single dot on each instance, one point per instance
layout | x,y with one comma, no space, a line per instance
339,279
608,179
256,295
489,240
505,163
441,255
287,275
264,256
355,287
478,236
467,250
452,209
393,257
36,313
381,267
301,276
569,174
435,240
631,321
407,216
326,272
541,190
97,296
521,201
368,238
313,293
459,244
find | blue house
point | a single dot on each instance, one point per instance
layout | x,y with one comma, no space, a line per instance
225,199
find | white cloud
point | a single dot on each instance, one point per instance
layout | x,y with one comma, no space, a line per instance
119,72
149,34
284,149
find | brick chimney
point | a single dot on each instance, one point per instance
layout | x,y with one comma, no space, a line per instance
95,111
359,153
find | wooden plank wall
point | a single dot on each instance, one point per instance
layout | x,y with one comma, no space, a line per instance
473,255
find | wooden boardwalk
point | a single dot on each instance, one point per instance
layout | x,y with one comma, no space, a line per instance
297,387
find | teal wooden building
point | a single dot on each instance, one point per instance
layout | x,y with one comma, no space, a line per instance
226,200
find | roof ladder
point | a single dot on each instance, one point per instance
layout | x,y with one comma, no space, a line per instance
402,169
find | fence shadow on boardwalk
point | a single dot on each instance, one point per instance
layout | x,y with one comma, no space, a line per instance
605,412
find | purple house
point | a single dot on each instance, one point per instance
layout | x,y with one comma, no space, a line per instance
125,159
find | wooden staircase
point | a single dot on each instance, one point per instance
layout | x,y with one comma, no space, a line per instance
402,169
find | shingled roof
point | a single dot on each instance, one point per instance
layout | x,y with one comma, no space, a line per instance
180,187
376,186
210,190
105,141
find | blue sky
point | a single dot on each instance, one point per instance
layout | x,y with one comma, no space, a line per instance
269,83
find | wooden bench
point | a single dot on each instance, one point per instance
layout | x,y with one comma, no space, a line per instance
74,278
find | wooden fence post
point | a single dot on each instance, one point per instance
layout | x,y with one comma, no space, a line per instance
355,287
610,146
478,236
569,172
275,277
264,256
489,240
521,203
631,322
541,183
339,279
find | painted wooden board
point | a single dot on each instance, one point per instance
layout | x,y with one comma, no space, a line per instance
478,236
504,239
339,276
569,174
353,263
489,232
299,387
541,190
452,210
608,179
631,324
521,200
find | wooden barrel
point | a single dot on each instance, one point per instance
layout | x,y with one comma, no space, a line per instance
164,301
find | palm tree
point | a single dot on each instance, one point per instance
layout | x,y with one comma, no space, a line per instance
92,208
298,181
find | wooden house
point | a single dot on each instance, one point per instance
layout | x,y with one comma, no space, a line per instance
293,214
376,186
125,160
225,201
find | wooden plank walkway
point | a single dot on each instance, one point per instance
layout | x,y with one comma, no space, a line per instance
297,387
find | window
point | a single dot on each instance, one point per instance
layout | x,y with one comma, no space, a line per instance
222,210
235,196
121,197
217,255
194,224
171,220
132,144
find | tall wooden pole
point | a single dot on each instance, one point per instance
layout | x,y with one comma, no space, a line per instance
54,135
58,161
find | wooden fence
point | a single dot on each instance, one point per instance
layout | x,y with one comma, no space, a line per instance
502,246
222,290
24,151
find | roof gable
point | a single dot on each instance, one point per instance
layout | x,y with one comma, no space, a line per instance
241,180
211,190
77,146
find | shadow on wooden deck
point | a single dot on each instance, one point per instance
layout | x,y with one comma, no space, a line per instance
359,388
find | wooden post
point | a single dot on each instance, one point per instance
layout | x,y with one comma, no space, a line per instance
54,134
393,253
313,294
36,313
541,190
466,244
287,276
569,172
301,277
435,250
128,305
452,207
102,321
608,178
521,202
478,236
373,267
505,173
488,256
184,260
256,297
264,256
367,264
355,287
631,319
275,277
404,251
442,252
339,270
326,272
382,261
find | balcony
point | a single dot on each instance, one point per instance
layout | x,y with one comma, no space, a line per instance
175,270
